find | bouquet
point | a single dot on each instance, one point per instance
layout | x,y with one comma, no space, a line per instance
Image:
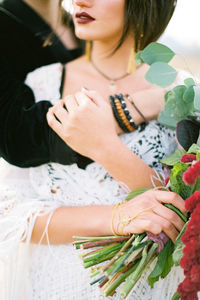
116,259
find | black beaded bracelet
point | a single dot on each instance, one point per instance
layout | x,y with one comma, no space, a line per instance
116,115
126,111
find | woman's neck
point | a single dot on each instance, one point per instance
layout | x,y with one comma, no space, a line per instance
47,9
114,65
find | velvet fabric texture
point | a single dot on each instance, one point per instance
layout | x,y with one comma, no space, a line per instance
25,137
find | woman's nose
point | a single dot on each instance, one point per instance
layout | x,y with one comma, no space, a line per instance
83,3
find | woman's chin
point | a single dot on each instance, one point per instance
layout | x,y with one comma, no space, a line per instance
83,35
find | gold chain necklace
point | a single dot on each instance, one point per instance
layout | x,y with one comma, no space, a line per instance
112,81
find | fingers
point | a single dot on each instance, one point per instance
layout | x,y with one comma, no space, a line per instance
169,215
153,223
170,197
53,123
165,197
166,226
70,103
141,225
59,111
148,213
82,99
94,96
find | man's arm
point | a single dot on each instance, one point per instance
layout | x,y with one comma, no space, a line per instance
25,137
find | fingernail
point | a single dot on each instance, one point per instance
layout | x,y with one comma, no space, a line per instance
84,89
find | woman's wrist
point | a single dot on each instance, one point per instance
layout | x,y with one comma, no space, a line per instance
104,154
126,113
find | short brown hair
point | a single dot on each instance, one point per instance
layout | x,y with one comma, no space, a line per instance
148,19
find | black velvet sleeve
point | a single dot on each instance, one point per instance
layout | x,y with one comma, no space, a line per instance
25,137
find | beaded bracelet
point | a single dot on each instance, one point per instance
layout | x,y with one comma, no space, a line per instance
129,119
117,116
122,114
136,108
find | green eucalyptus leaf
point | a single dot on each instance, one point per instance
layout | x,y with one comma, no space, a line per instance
167,95
189,82
161,74
166,120
156,52
194,149
176,109
198,155
188,95
138,58
173,158
197,98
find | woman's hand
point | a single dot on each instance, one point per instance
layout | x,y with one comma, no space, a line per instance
146,213
84,121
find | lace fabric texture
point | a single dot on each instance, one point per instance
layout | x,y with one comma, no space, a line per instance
46,272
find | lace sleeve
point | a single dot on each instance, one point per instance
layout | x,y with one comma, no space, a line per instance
17,219
152,144
20,205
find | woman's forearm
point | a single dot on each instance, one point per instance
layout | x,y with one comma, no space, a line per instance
96,220
69,221
124,165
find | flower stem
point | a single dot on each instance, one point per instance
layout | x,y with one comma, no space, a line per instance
119,254
121,278
104,242
103,258
176,210
146,258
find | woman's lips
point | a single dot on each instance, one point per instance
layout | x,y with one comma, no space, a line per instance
84,18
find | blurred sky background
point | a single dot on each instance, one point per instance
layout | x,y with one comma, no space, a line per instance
182,35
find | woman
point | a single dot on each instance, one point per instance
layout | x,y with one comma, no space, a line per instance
52,203
38,32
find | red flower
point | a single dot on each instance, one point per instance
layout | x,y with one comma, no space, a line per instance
190,176
188,158
192,232
195,274
185,263
188,285
192,201
190,261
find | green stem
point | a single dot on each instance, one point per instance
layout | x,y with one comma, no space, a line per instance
134,255
121,278
146,258
102,252
136,245
94,262
94,238
177,211
104,242
119,254
95,273
97,251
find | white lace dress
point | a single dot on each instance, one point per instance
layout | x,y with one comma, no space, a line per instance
46,272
